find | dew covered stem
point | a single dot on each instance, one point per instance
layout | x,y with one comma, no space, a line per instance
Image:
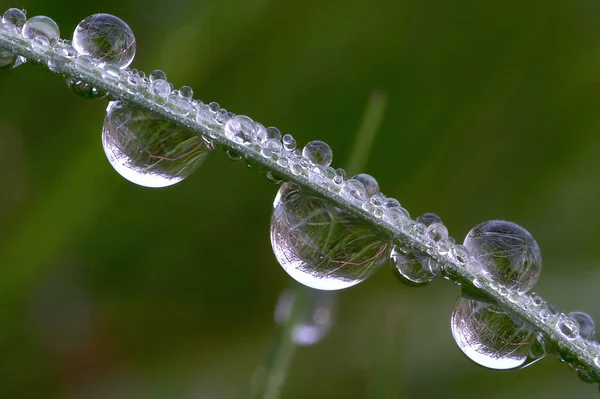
142,97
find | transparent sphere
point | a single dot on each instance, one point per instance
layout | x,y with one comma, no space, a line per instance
586,324
318,152
319,244
412,267
240,129
106,38
370,184
41,26
147,150
490,336
506,253
427,219
15,17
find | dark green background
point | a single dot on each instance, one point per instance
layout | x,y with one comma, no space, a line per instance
108,290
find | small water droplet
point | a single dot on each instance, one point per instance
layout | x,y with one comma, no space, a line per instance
537,300
321,245
413,267
489,335
83,89
370,184
568,327
478,282
428,219
41,26
240,129
161,87
318,152
544,314
397,216
147,150
354,191
436,232
157,74
106,38
289,143
186,92
14,17
586,324
505,252
461,253
111,73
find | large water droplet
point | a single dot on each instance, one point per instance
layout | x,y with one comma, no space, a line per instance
321,245
41,26
489,335
14,17
147,150
506,253
318,152
312,313
413,267
106,38
586,324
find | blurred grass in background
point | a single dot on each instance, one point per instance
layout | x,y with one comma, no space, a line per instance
108,290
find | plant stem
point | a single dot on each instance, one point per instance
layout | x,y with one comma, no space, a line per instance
118,87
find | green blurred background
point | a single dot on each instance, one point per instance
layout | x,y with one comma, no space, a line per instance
108,290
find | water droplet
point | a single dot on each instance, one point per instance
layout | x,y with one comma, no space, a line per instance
240,129
413,267
428,219
489,335
586,324
213,106
315,313
568,327
14,17
397,216
370,184
436,232
147,150
186,92
157,75
321,245
505,252
41,26
106,38
273,133
85,61
161,87
537,300
461,253
318,152
83,89
111,73
354,191
289,143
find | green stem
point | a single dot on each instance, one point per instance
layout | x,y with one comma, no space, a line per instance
455,270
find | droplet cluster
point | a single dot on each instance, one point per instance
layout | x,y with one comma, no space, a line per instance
317,236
